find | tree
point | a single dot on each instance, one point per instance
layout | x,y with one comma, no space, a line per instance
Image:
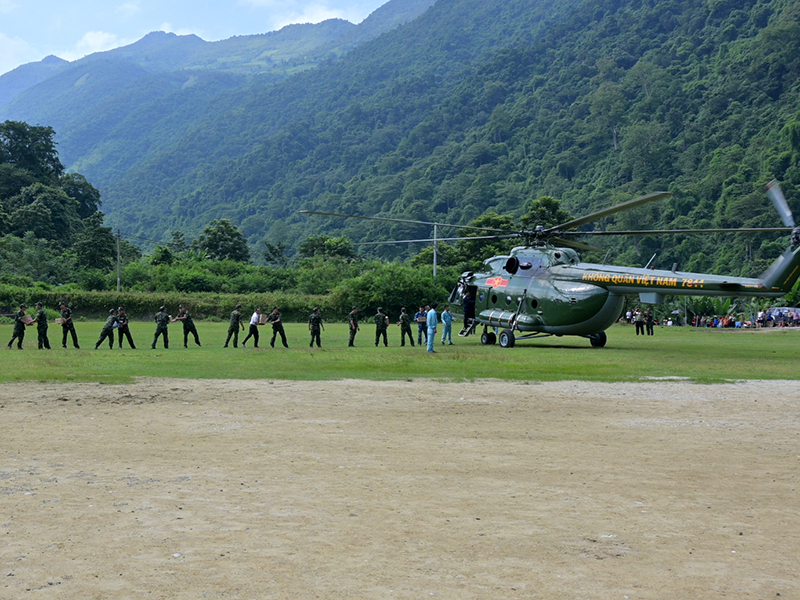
323,245
178,243
275,254
46,211
546,211
474,252
84,193
95,246
30,147
222,241
162,256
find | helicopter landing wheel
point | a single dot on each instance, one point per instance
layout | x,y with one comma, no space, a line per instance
507,339
598,340
488,338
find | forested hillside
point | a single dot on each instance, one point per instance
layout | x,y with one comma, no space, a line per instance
482,106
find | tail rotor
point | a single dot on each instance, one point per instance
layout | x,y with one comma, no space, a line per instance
776,195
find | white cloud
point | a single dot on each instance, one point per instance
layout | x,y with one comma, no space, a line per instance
285,13
7,6
14,52
128,10
91,42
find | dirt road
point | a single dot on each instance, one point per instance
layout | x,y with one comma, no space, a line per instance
270,489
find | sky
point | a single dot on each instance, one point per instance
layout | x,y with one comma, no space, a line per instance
71,29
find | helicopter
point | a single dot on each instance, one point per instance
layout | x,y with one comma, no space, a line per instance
542,288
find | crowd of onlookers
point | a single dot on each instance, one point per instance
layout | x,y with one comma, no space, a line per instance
772,317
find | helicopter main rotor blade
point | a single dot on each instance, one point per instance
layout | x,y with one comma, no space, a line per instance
451,239
608,211
776,194
389,220
671,231
573,244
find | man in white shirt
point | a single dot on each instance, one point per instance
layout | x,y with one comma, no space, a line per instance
253,333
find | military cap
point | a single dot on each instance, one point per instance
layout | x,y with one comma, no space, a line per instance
111,311
238,306
23,306
39,304
163,308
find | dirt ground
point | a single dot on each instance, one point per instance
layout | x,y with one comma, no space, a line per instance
416,489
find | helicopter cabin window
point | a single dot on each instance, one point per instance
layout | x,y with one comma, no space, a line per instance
508,300
534,304
481,297
494,298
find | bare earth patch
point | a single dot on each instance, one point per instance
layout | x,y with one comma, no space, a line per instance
359,489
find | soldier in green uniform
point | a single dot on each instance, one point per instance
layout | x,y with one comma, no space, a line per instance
124,330
381,323
188,326
352,319
649,320
41,326
405,327
19,327
67,326
108,330
233,327
314,326
162,323
277,327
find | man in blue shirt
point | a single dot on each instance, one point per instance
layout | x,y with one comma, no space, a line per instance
447,325
422,325
433,321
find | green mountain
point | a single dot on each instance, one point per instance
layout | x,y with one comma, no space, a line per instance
278,53
475,106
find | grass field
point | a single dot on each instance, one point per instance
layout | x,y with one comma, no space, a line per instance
705,356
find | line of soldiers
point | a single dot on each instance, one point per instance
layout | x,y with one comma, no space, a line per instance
118,319
236,322
404,322
42,326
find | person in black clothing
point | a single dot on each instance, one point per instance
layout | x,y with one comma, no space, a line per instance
41,326
381,324
162,324
188,326
124,330
108,330
352,320
19,327
233,327
67,326
277,327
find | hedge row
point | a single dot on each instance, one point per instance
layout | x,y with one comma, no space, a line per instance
143,305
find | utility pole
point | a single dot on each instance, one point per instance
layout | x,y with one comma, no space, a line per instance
435,250
119,262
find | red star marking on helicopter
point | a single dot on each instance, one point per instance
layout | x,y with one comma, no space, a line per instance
497,282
